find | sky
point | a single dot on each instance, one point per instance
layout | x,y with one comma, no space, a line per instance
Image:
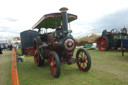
93,15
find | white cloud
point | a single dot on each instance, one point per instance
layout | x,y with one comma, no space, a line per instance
80,30
26,13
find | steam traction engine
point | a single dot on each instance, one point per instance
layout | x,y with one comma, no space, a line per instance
58,46
111,40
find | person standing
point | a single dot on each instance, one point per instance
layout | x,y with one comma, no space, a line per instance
2,47
0,50
6,46
10,47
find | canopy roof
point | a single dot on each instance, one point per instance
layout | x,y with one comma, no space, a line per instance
52,20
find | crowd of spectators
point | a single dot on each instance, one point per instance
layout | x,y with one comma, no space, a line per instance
5,47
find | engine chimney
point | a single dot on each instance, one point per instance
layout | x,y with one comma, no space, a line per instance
64,19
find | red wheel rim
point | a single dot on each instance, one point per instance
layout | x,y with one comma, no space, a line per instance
83,61
102,44
52,65
36,53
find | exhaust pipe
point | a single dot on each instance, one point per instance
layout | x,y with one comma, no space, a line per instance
64,19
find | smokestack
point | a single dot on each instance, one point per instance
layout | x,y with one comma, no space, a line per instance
64,19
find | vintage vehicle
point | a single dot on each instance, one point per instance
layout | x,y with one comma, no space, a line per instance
58,46
27,38
111,40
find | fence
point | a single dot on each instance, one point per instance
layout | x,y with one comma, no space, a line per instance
15,80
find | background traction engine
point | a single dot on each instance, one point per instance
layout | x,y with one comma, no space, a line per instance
111,40
58,46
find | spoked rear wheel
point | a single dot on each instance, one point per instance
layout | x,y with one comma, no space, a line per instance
83,60
37,59
54,64
102,43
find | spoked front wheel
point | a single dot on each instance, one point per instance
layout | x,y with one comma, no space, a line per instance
83,59
54,64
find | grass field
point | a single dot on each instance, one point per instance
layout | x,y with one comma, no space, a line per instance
5,68
108,68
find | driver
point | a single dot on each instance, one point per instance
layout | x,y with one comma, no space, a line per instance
104,32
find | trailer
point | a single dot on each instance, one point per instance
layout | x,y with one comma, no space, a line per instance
27,38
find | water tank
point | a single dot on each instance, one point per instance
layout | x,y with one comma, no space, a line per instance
27,38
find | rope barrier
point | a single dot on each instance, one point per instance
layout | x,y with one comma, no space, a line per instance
15,80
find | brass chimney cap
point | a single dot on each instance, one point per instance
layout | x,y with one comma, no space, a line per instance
64,9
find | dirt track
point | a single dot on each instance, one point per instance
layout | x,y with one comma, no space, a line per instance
5,68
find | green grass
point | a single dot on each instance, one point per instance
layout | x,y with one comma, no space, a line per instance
108,68
5,68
